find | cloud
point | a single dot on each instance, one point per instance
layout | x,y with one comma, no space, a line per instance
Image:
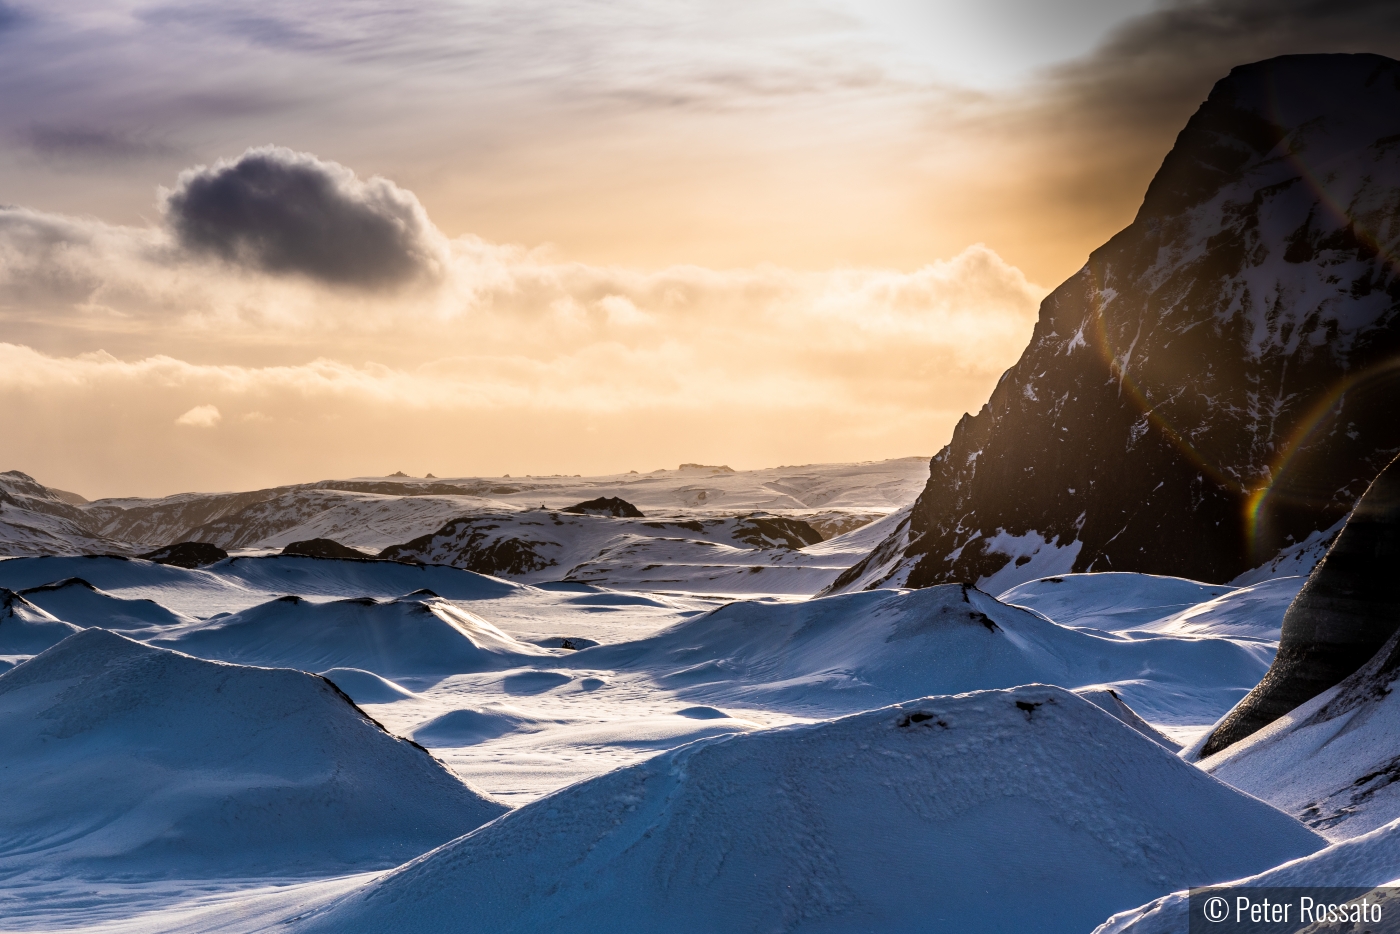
201,416
85,143
281,211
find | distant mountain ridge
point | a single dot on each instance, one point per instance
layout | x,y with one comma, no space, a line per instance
713,528
1217,382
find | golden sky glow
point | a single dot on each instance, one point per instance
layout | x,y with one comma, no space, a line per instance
632,234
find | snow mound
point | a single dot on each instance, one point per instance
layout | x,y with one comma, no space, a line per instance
205,769
26,629
366,687
1334,762
474,725
925,816
397,637
1253,612
1111,600
77,601
1107,700
856,651
192,591
109,572
330,577
1372,859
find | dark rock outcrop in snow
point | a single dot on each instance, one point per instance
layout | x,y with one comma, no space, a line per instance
1342,617
614,506
1218,381
323,548
187,554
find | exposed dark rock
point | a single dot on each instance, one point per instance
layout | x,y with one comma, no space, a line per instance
775,532
1218,381
1346,612
606,506
324,548
187,554
476,545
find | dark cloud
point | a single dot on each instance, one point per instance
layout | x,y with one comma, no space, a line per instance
94,144
10,18
1157,64
286,212
1095,130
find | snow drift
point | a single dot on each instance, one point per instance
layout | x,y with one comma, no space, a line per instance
855,651
407,637
1367,861
26,629
77,601
127,760
1334,762
978,812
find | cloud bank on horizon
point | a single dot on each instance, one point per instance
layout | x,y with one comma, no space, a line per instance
745,203
452,354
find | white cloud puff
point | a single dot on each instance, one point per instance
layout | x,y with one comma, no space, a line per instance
201,416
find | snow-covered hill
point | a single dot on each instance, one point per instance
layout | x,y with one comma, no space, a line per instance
979,812
855,651
1215,384
1371,860
126,760
414,637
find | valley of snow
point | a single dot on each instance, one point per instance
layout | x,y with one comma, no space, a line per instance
674,748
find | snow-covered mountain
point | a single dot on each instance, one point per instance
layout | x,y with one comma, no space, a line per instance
35,520
1216,384
697,527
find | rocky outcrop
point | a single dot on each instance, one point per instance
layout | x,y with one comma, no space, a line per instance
187,554
614,506
1217,382
324,548
1343,616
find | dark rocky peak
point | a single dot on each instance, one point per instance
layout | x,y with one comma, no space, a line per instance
187,554
764,531
325,548
614,506
1217,382
1344,615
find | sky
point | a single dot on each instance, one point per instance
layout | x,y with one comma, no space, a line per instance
261,243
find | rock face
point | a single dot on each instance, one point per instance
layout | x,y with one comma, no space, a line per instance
1217,382
187,554
614,506
1342,617
323,548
